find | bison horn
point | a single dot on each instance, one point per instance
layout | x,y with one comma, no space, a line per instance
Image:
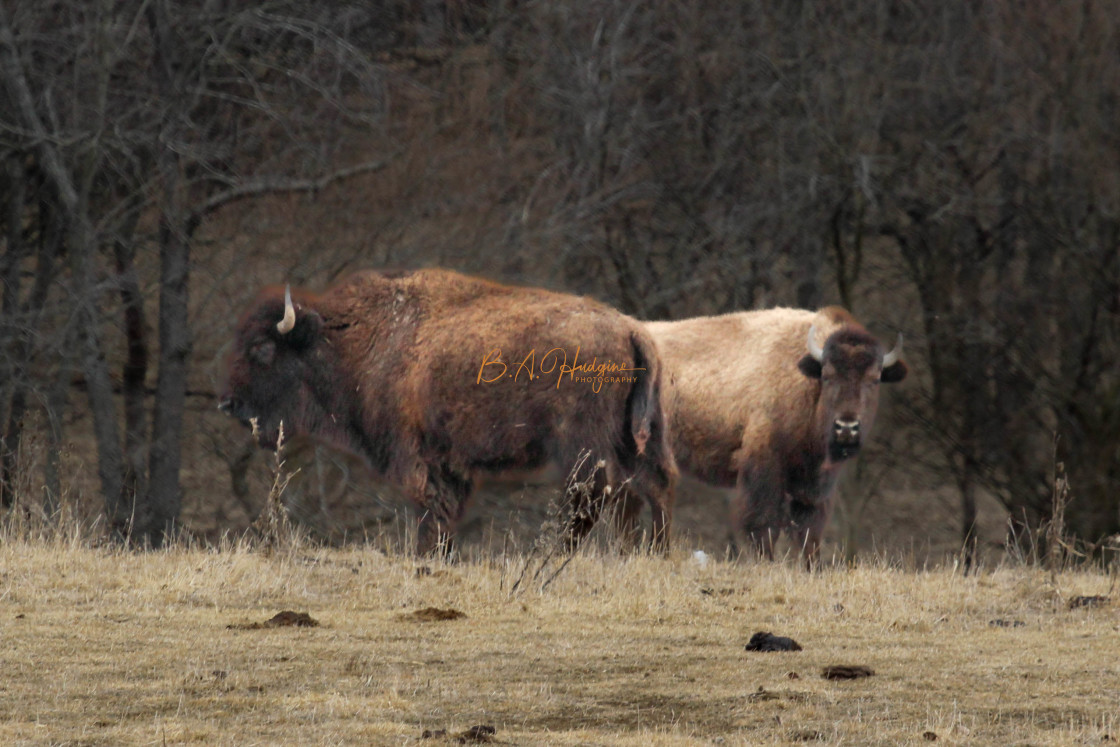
892,357
815,350
285,325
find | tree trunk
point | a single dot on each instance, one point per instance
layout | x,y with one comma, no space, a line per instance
135,370
164,495
11,339
164,491
81,243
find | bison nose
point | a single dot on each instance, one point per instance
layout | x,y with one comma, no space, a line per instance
845,431
225,404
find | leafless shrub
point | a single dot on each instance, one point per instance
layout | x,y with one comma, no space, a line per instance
554,547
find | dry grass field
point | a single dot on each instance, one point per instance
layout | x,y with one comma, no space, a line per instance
107,647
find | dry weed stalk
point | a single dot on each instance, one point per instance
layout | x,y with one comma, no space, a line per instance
1063,552
578,502
1058,549
273,526
1049,545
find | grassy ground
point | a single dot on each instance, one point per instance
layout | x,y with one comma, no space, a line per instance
108,647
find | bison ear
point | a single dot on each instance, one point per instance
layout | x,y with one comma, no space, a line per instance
810,366
894,373
306,332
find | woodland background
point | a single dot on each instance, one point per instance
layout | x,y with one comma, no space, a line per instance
950,170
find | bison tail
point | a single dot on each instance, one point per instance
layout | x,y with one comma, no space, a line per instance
646,417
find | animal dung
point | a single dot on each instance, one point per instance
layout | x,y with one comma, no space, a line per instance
284,619
481,733
763,641
846,672
1095,600
432,614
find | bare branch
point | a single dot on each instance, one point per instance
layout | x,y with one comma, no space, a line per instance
262,187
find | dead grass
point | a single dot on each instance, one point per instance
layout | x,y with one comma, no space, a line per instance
109,647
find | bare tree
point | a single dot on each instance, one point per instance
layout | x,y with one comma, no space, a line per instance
171,111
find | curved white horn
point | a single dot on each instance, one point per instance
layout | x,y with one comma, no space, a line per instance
815,350
285,325
892,357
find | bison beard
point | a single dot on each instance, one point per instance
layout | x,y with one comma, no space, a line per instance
774,403
391,367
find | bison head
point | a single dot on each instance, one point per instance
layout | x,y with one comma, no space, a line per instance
267,371
850,367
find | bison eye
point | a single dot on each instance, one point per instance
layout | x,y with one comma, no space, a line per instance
263,352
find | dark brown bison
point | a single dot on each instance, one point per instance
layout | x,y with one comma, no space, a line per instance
434,377
775,403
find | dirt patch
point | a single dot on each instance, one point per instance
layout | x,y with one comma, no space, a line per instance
284,619
432,614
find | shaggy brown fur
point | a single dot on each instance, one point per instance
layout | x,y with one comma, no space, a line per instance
433,377
748,409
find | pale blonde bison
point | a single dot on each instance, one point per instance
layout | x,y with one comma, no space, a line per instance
435,377
774,403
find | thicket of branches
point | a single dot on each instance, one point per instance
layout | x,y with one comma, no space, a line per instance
950,170
123,126
962,158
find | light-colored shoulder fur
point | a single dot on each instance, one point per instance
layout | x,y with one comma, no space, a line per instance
744,335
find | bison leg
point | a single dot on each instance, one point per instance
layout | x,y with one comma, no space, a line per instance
626,513
808,530
758,509
662,524
442,503
657,481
